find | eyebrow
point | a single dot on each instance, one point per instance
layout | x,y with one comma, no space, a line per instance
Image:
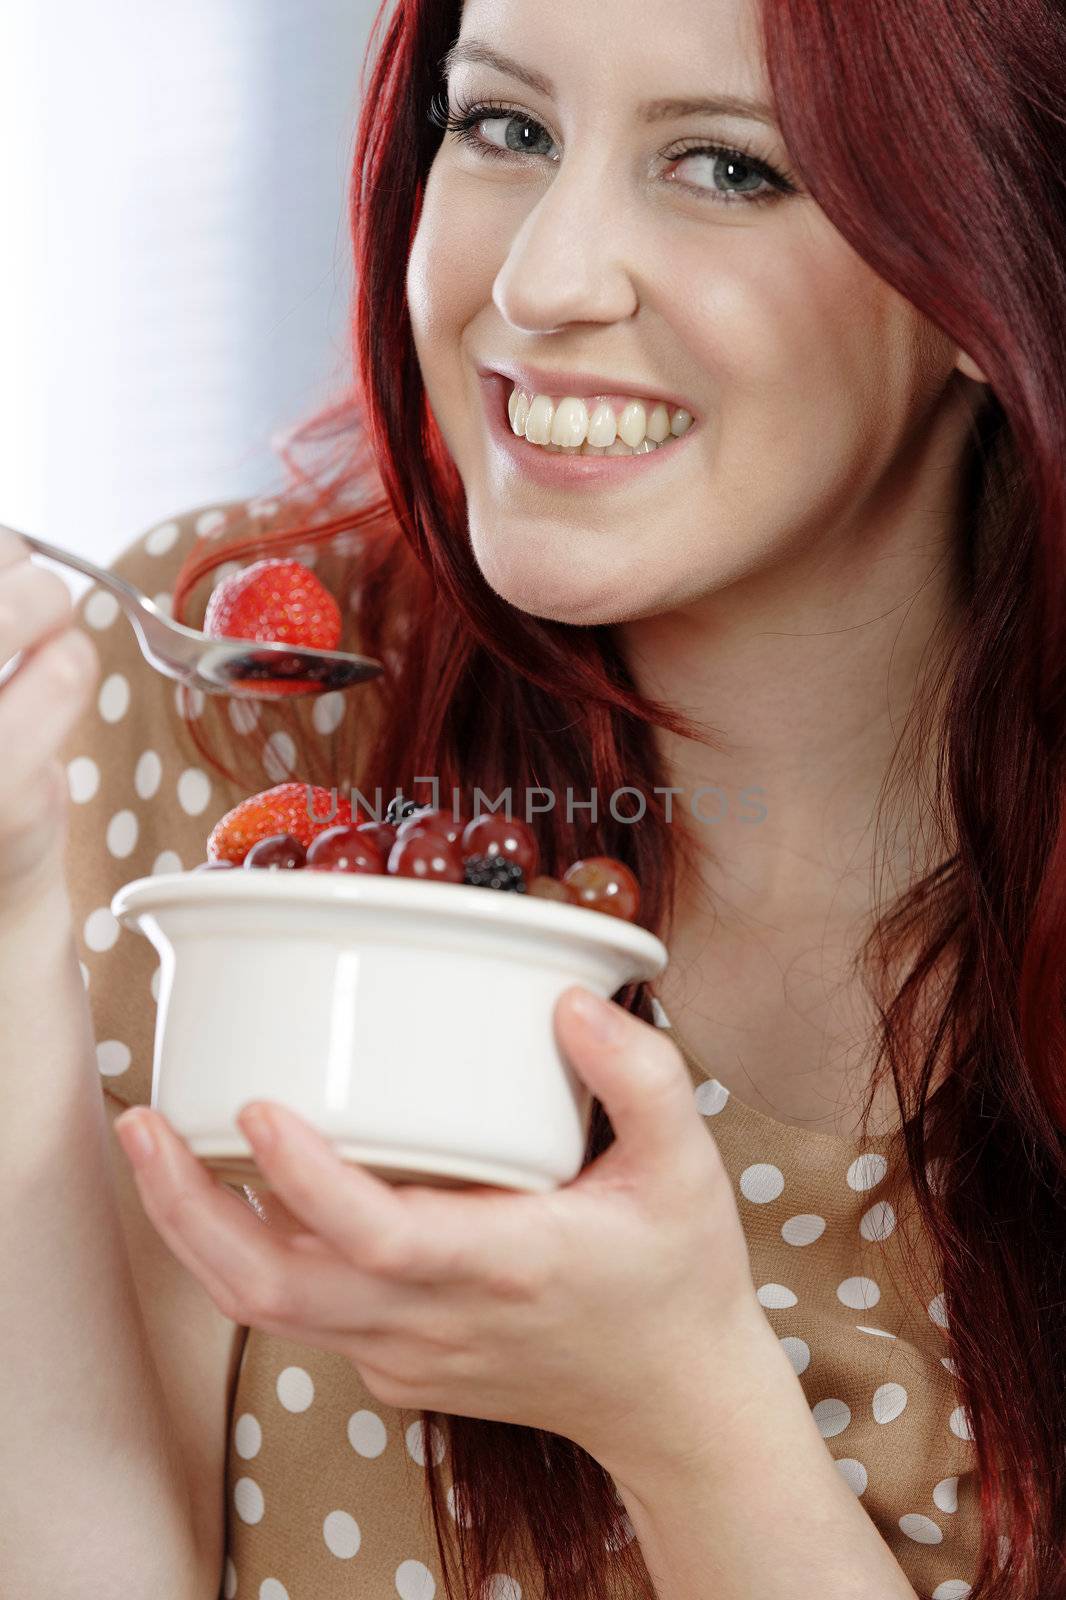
474,51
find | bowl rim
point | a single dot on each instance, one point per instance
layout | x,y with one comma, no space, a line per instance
448,900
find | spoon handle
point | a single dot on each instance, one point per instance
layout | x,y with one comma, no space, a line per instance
66,558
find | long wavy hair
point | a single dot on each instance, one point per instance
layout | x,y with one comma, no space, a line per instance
932,133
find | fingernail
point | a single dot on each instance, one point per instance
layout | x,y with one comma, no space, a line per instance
136,1137
599,1016
258,1128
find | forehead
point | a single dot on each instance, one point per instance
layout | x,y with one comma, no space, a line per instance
699,47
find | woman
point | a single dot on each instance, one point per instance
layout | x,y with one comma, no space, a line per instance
833,606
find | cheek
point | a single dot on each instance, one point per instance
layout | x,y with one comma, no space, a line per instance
805,352
446,290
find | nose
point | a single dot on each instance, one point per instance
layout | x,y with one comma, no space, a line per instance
568,260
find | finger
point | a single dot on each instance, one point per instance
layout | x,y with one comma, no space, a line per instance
639,1076
412,1234
274,1213
42,699
254,1278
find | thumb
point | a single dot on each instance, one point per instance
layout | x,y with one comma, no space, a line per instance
639,1076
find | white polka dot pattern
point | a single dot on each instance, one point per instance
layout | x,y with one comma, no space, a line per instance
367,1434
878,1222
858,1293
101,609
775,1297
923,1530
798,1352
867,1170
148,774
296,1389
189,701
946,1495
414,1581
248,1500
324,1484
802,1230
243,714
341,1533
854,1474
413,1440
247,1436
122,834
279,757
327,713
194,791
761,1183
83,779
889,1402
113,699
711,1097
112,1057
832,1417
162,539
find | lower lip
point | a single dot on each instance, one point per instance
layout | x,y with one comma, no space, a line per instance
557,469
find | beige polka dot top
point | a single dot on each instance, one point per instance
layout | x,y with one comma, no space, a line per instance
324,1484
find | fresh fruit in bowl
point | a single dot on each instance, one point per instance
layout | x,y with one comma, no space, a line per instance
276,830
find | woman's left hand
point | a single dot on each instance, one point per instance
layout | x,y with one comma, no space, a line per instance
617,1310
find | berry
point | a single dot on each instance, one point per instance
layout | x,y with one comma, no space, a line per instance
276,599
283,809
278,850
553,889
441,824
422,855
494,872
502,836
398,809
604,884
345,849
383,835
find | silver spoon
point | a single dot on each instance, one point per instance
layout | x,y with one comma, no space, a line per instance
218,666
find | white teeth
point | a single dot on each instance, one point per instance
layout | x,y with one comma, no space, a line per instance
566,424
539,420
603,430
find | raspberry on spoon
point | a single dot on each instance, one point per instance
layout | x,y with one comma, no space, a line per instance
277,600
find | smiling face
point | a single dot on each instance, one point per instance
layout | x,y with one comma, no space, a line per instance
579,235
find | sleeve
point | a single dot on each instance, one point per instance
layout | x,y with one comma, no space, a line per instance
143,799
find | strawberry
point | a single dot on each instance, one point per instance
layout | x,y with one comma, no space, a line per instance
283,809
274,599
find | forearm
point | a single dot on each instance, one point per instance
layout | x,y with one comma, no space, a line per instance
92,1490
763,1512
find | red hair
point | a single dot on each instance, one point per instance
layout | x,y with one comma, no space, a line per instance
933,136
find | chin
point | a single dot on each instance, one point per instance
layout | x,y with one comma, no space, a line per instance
558,593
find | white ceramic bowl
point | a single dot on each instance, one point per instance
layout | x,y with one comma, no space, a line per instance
410,1022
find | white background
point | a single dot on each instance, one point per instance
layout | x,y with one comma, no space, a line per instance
174,258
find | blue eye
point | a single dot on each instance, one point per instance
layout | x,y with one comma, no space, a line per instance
757,181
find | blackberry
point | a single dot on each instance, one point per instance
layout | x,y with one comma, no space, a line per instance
494,872
398,809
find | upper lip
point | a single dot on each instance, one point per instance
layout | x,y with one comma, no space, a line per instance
559,381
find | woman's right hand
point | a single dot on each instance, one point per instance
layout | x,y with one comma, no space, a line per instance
39,704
